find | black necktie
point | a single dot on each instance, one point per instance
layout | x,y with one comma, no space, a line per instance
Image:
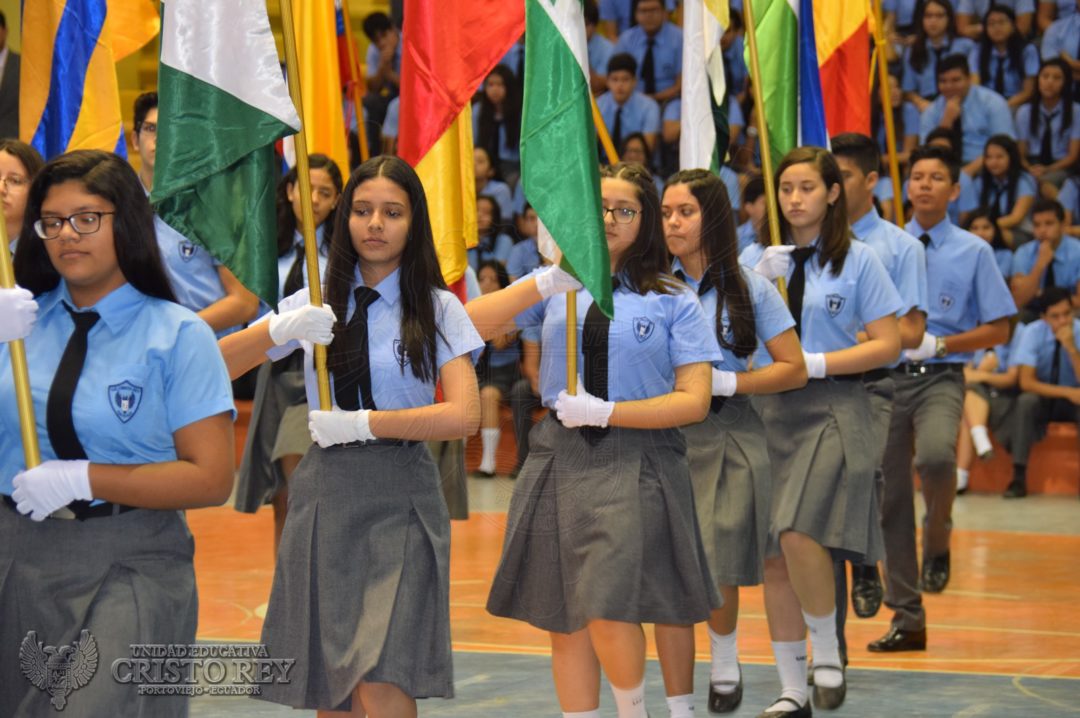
58,421
294,280
703,286
616,131
938,53
995,204
1046,151
357,373
521,67
797,285
925,239
594,348
648,68
1049,280
999,76
1055,365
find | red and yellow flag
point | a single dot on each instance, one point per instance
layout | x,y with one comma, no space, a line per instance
320,80
442,64
843,49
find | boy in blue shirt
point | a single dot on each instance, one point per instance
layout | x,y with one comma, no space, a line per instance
1052,260
624,109
656,45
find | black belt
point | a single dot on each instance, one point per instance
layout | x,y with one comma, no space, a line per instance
841,377
83,511
876,374
379,442
920,369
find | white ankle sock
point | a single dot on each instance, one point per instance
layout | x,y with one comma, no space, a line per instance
725,658
582,714
826,649
489,439
961,479
981,438
631,701
681,706
791,665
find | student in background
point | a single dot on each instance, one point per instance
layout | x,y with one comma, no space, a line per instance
980,222
497,122
1052,260
972,16
1004,188
496,370
656,46
488,182
493,243
525,255
1052,10
756,210
19,162
935,39
1048,125
600,49
624,109
905,123
1004,61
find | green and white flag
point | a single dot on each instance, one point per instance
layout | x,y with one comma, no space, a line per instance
704,137
222,103
559,166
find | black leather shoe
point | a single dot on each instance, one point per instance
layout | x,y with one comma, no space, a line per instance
935,573
830,698
866,594
810,666
899,640
1016,490
725,702
803,711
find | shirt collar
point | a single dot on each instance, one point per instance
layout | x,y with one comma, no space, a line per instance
937,233
320,237
865,224
117,308
678,270
389,288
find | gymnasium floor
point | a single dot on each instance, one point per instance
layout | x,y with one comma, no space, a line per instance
1004,639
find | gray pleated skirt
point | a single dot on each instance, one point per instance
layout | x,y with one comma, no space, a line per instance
362,585
729,469
821,446
124,579
603,531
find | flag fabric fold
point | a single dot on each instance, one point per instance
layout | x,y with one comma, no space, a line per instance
222,105
442,64
558,142
842,31
702,140
320,80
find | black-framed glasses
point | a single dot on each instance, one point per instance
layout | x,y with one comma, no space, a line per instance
81,222
621,215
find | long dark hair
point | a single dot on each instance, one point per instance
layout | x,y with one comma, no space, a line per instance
835,230
1012,177
720,245
920,51
1014,45
286,217
1065,102
419,278
998,242
501,275
487,127
108,176
645,262
26,154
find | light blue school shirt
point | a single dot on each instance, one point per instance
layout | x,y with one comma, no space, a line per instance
978,8
393,384
285,261
649,337
983,114
507,151
193,271
1066,262
1036,349
730,179
904,10
1025,187
152,367
746,234
371,57
621,12
519,200
910,113
771,315
924,82
1069,197
735,64
1004,352
498,248
1013,77
672,111
1059,139
391,121
667,52
639,114
1062,35
600,50
966,202
1004,258
965,287
902,256
500,192
524,257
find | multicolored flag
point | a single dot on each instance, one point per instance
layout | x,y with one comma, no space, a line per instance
350,72
320,80
220,111
558,142
69,98
442,64
842,31
704,137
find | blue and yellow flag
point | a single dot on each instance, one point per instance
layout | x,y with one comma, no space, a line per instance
69,96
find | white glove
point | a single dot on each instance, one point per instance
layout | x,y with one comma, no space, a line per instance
926,350
18,312
723,382
339,427
306,323
775,261
815,364
43,489
582,409
554,280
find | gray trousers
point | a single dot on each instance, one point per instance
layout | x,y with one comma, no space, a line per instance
922,433
1031,414
523,402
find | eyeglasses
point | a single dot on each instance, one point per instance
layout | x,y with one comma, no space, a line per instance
621,215
148,128
14,181
81,222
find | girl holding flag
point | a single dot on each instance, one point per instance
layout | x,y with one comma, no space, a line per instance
601,533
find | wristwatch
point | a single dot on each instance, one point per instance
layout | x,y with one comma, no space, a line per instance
940,351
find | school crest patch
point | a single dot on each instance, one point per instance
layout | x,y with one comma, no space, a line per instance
124,398
400,354
643,328
945,301
187,250
834,303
